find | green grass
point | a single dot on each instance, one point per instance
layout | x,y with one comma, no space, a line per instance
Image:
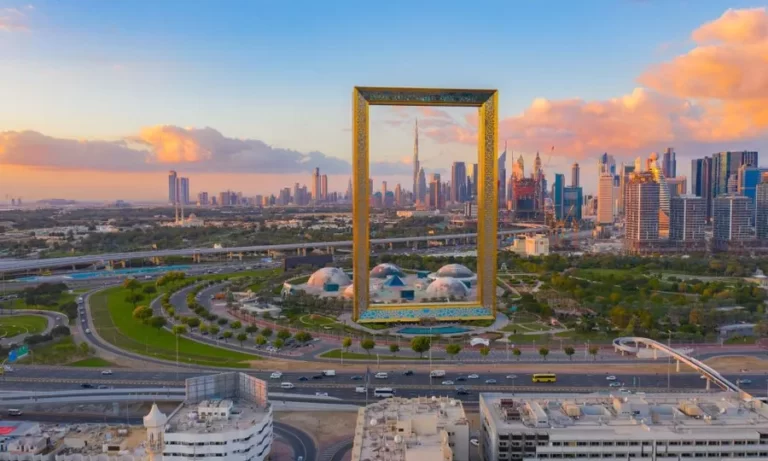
20,324
742,340
113,319
316,320
54,353
19,303
586,273
336,354
92,362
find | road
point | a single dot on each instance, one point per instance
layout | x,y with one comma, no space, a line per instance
342,386
300,441
23,265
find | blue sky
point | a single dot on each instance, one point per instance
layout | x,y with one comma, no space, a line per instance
282,72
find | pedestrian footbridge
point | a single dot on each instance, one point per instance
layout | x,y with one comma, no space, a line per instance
638,345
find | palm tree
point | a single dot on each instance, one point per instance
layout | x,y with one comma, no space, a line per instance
517,353
593,351
569,351
544,352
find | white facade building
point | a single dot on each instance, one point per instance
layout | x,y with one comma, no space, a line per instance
605,199
622,427
226,417
418,429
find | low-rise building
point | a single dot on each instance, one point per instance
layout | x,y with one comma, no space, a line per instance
418,429
650,427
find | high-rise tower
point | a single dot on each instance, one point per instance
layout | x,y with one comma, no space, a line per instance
316,185
173,187
575,175
416,166
537,167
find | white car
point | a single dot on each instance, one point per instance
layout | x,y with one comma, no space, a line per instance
276,375
87,331
447,383
474,442
321,394
473,376
615,384
106,372
511,376
610,378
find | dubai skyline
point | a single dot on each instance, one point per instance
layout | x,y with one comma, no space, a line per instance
253,98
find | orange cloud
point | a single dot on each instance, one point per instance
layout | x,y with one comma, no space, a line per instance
172,144
12,19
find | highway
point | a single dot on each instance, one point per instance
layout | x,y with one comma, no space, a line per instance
23,265
46,379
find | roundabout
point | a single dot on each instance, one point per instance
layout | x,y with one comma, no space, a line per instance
15,326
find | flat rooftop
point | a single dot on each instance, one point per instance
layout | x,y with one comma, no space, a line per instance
187,419
650,416
407,429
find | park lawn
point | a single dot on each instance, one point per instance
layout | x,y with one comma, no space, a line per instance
586,273
316,320
594,336
54,353
113,319
19,304
22,324
337,354
92,362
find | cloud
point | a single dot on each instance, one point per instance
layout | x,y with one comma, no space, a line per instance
12,19
158,148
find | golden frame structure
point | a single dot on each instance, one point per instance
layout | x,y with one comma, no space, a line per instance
487,102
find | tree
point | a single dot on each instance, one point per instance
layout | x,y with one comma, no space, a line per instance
694,317
179,330
214,329
279,343
85,349
346,343
593,351
260,340
569,351
222,321
421,344
453,350
284,334
303,337
517,353
134,298
204,329
394,349
131,284
227,334
149,289
544,352
236,325
267,332
193,322
484,351
142,313
367,344
251,329
242,337
761,328
156,321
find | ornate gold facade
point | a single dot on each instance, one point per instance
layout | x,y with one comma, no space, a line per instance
487,190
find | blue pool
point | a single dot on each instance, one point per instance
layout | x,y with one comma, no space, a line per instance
449,330
105,273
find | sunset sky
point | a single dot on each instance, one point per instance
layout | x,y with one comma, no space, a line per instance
99,99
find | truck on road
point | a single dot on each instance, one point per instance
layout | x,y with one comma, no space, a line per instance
437,374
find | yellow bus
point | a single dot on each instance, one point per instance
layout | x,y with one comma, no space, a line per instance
544,378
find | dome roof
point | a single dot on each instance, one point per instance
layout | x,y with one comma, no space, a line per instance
455,270
384,270
328,275
444,287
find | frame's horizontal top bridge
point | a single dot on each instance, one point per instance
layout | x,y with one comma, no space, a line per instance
382,96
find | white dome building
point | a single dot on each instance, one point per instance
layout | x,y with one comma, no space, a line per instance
326,275
384,270
457,271
444,287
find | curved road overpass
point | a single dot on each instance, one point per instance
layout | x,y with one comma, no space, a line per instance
23,265
631,344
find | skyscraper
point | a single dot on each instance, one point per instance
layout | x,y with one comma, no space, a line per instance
474,180
573,201
558,190
641,207
202,198
605,199
416,167
502,167
399,197
761,211
731,217
315,183
184,191
575,175
173,187
421,186
518,167
324,187
348,193
669,163
687,217
384,191
458,182
537,167
436,199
